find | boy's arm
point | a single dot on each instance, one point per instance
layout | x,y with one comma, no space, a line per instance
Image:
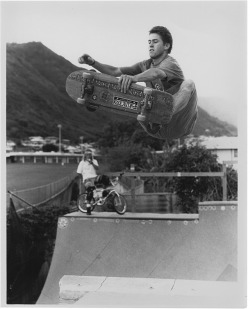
101,67
150,75
146,76
107,69
124,80
95,164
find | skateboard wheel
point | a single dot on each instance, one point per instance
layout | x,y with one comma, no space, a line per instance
80,101
91,107
147,91
141,118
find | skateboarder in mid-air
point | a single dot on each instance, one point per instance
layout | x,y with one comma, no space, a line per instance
161,72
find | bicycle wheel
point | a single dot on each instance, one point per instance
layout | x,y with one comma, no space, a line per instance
82,202
120,204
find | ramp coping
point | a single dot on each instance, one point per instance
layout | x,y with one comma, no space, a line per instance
135,216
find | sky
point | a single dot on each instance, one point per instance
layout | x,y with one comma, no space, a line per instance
209,39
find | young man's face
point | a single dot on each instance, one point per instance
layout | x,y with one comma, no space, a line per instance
156,46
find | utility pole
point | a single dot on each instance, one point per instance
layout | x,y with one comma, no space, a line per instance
60,138
81,139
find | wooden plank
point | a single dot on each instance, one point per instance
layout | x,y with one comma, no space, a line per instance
218,203
230,162
172,174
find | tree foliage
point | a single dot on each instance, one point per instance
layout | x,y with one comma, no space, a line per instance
122,156
128,132
49,148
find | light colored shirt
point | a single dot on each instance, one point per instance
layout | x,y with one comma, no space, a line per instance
87,169
174,74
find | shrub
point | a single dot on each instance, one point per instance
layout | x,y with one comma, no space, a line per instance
191,190
50,148
30,244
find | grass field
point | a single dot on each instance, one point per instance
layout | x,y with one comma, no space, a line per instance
26,176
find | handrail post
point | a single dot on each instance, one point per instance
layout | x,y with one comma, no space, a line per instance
133,194
224,182
80,185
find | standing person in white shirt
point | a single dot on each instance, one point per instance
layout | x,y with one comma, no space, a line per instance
87,168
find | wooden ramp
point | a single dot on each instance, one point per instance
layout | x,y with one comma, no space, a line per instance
144,246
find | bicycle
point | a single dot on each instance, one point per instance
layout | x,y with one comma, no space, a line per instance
101,196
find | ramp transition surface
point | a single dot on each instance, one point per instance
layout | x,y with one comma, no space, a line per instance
144,247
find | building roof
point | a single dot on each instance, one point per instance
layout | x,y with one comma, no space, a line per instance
36,138
222,142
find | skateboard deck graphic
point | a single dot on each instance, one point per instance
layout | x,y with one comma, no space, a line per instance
101,91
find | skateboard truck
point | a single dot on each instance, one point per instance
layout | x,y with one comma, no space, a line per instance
145,104
86,88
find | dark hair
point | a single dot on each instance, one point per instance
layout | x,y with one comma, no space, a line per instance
164,34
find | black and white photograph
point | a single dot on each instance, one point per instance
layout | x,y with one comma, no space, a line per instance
124,154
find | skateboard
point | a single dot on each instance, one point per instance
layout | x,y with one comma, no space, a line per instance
100,91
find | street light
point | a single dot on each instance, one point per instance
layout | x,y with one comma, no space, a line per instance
132,167
60,138
81,138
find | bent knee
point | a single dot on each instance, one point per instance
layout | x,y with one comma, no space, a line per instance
188,84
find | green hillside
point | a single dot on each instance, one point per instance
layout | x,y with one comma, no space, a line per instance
37,101
36,98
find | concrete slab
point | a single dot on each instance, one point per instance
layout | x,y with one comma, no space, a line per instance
87,291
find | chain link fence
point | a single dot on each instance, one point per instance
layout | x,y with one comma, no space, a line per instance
38,196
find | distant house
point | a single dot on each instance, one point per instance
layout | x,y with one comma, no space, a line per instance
10,145
37,142
72,149
51,139
33,142
66,141
36,139
225,147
